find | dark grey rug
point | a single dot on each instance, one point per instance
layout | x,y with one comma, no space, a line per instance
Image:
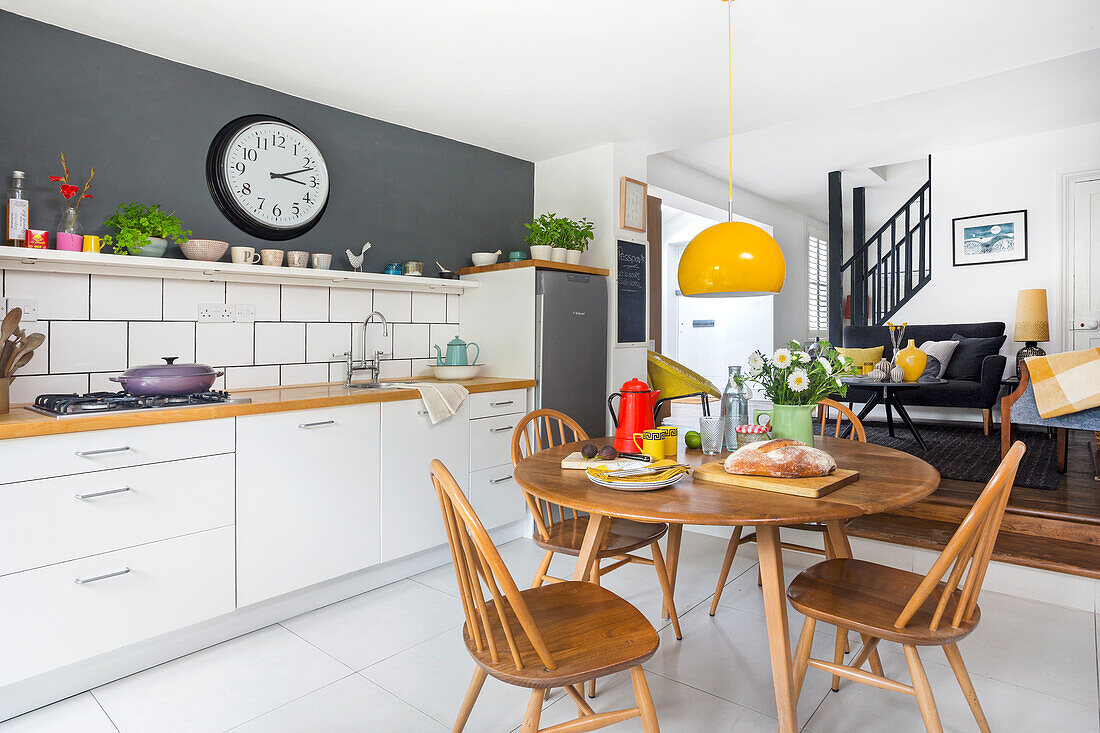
963,453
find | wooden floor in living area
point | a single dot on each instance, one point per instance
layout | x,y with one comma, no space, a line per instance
1053,530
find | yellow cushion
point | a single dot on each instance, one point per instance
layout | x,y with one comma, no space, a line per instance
862,356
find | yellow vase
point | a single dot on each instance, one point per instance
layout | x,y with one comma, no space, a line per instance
912,361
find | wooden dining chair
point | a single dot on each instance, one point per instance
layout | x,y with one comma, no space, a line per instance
561,529
884,603
556,635
825,408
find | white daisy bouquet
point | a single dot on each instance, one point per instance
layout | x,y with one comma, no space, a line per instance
792,376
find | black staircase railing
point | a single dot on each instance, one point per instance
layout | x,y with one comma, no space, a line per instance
894,263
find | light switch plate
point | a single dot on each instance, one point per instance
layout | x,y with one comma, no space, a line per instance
215,313
28,305
244,312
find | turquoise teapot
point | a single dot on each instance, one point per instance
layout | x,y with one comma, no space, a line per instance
456,353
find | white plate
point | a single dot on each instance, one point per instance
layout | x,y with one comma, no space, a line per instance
636,485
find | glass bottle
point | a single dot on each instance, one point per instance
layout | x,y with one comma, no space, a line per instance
17,211
735,408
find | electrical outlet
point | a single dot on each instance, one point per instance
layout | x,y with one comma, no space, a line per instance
215,313
244,312
29,307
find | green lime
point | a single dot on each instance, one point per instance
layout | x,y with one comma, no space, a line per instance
692,439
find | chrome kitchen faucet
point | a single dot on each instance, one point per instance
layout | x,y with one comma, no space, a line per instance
374,366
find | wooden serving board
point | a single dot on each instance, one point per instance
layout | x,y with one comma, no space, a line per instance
812,488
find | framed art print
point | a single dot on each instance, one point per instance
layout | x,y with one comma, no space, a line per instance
989,238
632,207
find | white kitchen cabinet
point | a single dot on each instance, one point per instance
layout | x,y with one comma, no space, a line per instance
63,613
307,498
491,404
491,441
496,497
57,519
411,520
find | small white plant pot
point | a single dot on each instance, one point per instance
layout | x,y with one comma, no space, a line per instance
557,254
540,251
573,257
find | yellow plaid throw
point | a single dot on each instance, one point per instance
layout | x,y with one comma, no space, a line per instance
1065,383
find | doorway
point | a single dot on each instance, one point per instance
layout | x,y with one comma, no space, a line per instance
1083,261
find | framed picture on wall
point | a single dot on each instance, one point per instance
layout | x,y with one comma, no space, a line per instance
989,238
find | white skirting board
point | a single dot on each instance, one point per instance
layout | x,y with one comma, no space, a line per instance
1059,589
34,692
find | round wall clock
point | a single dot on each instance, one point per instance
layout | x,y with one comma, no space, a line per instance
267,177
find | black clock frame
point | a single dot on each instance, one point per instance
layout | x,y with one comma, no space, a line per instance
222,194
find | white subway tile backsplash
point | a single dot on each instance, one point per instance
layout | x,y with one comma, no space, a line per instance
453,305
101,382
303,373
182,298
118,298
223,344
304,303
429,307
326,341
265,297
280,343
410,341
40,360
395,369
60,295
395,305
422,367
151,341
251,376
87,346
25,389
350,304
375,340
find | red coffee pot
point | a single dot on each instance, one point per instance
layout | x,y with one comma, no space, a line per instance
637,407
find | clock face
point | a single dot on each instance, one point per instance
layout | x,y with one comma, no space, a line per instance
267,177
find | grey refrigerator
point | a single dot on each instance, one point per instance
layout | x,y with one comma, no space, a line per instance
571,346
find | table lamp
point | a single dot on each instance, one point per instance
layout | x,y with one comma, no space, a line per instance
1031,323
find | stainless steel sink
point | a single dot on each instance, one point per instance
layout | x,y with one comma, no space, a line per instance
377,385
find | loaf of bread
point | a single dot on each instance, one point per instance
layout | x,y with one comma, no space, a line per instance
780,458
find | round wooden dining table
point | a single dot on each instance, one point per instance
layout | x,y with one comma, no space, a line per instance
889,479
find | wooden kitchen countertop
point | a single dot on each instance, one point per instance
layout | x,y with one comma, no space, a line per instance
22,423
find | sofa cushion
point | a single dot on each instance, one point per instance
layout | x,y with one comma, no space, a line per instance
966,362
865,336
862,356
941,351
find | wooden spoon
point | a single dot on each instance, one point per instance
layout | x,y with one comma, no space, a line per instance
10,323
32,342
23,361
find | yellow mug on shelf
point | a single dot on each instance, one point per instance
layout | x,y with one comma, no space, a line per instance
652,443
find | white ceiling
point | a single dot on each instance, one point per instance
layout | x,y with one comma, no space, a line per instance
789,162
540,79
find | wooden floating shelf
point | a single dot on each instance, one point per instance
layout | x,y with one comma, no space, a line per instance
84,263
538,265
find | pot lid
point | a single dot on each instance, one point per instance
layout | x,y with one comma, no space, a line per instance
456,341
635,385
169,369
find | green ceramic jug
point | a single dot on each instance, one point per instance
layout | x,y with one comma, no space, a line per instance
790,421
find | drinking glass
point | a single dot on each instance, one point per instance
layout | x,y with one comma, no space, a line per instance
710,433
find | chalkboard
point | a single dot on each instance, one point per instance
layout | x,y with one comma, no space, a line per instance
631,270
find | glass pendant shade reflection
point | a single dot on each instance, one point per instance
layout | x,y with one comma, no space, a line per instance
734,259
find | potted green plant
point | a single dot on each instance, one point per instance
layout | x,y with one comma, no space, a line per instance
795,381
553,237
144,230
541,236
578,235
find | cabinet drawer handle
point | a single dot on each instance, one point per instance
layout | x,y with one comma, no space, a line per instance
108,492
322,423
504,429
500,480
101,451
115,574
421,412
501,404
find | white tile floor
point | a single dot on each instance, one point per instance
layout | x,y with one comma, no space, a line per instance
392,660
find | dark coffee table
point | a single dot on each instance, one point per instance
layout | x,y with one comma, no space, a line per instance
887,393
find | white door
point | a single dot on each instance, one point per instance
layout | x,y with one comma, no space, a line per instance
1086,265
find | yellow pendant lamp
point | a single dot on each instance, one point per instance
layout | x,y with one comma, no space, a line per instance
734,259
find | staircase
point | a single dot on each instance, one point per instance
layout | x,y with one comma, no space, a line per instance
886,269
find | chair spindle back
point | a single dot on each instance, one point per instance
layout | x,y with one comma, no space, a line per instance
476,561
858,433
538,431
971,545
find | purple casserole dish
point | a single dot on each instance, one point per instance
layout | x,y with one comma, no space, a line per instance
165,380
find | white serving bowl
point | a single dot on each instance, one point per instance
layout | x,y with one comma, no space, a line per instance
481,259
448,373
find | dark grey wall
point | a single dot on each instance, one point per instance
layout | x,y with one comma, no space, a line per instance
146,124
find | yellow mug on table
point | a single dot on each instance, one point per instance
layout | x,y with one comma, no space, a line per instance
652,443
672,437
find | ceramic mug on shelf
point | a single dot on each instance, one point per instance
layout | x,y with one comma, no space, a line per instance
244,255
321,260
272,257
651,442
297,258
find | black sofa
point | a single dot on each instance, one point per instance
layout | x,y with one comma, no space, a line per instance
981,394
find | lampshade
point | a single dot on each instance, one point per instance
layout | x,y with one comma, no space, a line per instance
732,259
1031,316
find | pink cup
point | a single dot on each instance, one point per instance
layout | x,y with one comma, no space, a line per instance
70,242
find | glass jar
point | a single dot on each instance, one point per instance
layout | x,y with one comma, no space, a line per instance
735,408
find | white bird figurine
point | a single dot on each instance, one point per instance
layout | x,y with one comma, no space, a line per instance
356,260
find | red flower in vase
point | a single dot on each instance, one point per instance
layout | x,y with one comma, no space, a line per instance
56,178
68,191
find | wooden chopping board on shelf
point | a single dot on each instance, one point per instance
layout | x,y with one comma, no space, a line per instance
812,488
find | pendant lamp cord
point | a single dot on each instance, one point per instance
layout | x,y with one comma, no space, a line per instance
729,33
